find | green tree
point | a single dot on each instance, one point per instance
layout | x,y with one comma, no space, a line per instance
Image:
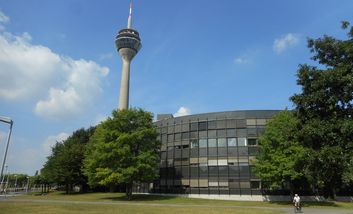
324,108
282,157
65,165
123,150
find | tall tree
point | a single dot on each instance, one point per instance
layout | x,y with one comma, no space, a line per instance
325,108
282,156
65,165
123,150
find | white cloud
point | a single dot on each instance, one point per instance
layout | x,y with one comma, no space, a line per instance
51,141
29,71
183,111
241,60
81,87
105,56
3,18
281,44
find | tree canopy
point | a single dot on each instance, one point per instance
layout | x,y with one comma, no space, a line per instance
65,165
316,139
123,150
282,156
324,108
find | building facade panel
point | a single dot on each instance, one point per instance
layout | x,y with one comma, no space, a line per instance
210,153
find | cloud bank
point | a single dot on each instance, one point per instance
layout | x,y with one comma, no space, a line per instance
59,85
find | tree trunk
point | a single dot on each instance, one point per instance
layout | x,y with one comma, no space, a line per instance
129,191
333,193
67,188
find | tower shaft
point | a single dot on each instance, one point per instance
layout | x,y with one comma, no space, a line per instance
126,57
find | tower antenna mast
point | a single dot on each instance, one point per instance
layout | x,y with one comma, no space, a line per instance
129,20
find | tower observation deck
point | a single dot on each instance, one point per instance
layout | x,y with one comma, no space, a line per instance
128,43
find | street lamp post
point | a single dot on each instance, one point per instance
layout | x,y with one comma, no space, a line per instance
7,181
27,184
15,183
2,181
8,121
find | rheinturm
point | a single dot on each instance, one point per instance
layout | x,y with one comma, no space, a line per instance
128,43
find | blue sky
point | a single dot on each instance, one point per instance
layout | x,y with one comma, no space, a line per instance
59,70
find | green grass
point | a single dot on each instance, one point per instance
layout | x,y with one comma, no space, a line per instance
118,203
53,208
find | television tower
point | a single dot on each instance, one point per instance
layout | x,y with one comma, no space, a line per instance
128,43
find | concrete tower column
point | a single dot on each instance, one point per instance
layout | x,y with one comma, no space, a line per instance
126,56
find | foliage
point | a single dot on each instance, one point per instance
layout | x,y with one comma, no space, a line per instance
282,156
324,109
123,150
19,179
65,165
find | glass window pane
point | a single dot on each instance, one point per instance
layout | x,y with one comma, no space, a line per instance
241,123
194,144
203,152
203,171
170,129
202,126
177,128
170,137
185,135
221,133
212,124
241,133
232,152
252,142
177,136
203,143
212,162
212,151
193,134
222,152
212,142
221,124
193,126
222,142
203,134
253,151
213,171
243,151
231,133
185,127
212,133
242,141
231,124
232,142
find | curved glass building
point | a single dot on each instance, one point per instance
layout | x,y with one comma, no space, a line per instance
210,153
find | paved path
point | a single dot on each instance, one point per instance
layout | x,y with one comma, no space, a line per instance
284,210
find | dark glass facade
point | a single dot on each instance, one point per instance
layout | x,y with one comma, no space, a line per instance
210,153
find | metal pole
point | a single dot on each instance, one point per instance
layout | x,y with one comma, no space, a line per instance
27,184
15,182
7,147
7,181
2,182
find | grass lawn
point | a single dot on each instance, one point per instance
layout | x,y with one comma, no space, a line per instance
118,203
53,208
